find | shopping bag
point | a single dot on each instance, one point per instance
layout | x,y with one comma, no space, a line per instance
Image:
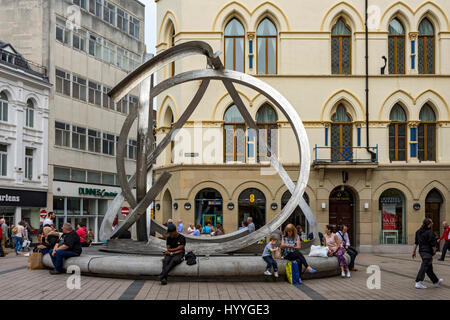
318,251
292,272
35,261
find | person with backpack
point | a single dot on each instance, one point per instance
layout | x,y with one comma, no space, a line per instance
426,241
18,235
345,240
174,254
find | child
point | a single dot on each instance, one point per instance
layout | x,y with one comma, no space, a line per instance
269,251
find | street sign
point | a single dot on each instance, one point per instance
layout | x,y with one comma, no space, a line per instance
43,213
125,211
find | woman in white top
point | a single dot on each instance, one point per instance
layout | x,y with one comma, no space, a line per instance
19,236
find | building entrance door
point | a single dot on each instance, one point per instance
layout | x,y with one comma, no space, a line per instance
342,210
433,203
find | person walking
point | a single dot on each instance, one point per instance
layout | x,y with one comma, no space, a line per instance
426,241
446,237
291,245
345,241
18,235
250,225
4,231
335,249
82,233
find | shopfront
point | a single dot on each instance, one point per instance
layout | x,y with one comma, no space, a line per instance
208,207
17,205
81,203
392,217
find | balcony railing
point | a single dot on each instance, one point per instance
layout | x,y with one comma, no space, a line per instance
18,62
345,154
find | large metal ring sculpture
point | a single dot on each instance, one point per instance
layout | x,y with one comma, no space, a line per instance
141,76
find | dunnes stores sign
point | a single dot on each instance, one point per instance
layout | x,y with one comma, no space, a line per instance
96,192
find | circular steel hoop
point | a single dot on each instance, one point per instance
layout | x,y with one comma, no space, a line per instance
277,99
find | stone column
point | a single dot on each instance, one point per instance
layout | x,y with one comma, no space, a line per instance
413,56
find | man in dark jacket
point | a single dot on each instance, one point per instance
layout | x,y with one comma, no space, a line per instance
426,241
68,246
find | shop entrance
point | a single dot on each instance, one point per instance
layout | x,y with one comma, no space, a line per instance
208,207
252,203
342,210
433,204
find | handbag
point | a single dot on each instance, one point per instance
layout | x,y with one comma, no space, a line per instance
292,272
318,251
35,260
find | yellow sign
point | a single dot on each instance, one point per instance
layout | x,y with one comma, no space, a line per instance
252,198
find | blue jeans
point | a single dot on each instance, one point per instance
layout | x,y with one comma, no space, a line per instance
19,243
271,263
59,257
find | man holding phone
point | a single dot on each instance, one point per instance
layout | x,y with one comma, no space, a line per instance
175,252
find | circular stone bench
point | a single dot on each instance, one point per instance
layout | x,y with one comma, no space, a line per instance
219,268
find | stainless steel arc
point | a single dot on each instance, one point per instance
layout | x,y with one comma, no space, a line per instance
235,240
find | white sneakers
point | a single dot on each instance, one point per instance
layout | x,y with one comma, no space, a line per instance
437,284
348,274
267,273
275,274
419,285
343,274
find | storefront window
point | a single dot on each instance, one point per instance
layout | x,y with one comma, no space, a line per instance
73,206
392,217
89,206
102,207
58,205
208,207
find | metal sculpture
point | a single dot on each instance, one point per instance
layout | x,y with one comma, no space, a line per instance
215,71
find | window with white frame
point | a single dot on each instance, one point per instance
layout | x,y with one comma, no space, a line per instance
78,88
122,20
94,141
109,12
109,52
122,105
62,134
29,163
122,59
29,114
80,3
95,93
132,149
134,27
62,82
107,101
108,178
108,143
78,137
3,107
95,46
135,61
95,7
62,33
79,40
3,160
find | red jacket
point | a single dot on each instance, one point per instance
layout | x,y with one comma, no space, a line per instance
82,233
446,234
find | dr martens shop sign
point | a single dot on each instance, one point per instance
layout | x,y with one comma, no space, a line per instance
96,192
22,198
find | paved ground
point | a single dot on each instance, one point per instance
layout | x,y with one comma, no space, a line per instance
397,280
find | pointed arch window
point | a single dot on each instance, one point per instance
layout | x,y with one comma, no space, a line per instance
397,134
29,114
266,119
341,48
266,42
396,47
341,134
426,47
3,107
234,45
427,134
234,135
172,43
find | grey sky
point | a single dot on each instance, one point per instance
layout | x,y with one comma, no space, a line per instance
150,25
